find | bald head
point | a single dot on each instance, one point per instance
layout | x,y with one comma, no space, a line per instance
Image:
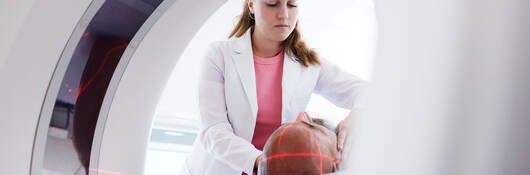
307,146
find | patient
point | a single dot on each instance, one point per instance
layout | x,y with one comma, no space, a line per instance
305,147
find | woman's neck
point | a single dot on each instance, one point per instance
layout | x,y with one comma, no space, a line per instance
263,47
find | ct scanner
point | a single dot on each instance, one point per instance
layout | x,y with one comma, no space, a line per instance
449,94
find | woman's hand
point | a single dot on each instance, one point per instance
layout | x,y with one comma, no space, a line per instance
342,131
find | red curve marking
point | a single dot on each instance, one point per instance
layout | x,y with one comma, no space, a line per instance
89,82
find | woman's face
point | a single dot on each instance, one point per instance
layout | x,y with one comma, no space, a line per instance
274,19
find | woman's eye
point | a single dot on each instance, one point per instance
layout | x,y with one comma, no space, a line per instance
292,5
271,5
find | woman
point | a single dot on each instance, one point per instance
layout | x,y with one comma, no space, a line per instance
262,77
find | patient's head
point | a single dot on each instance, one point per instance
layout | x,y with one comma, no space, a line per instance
307,146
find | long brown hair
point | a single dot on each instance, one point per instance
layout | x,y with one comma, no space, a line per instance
292,45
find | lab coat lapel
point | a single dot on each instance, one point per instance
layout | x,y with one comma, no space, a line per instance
244,63
292,70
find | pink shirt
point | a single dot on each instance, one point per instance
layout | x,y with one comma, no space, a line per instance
269,73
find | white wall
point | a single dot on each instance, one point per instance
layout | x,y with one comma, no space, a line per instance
12,14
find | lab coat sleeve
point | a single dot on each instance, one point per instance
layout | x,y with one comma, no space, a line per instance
217,134
341,88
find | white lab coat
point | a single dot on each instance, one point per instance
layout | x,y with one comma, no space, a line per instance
228,104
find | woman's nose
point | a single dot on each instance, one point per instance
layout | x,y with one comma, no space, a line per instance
283,12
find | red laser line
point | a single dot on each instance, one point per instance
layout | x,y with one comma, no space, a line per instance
318,147
283,132
298,118
89,82
105,171
299,155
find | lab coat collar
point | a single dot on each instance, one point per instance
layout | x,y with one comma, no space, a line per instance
244,63
243,44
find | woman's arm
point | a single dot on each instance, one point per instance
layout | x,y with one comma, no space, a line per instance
217,134
341,88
